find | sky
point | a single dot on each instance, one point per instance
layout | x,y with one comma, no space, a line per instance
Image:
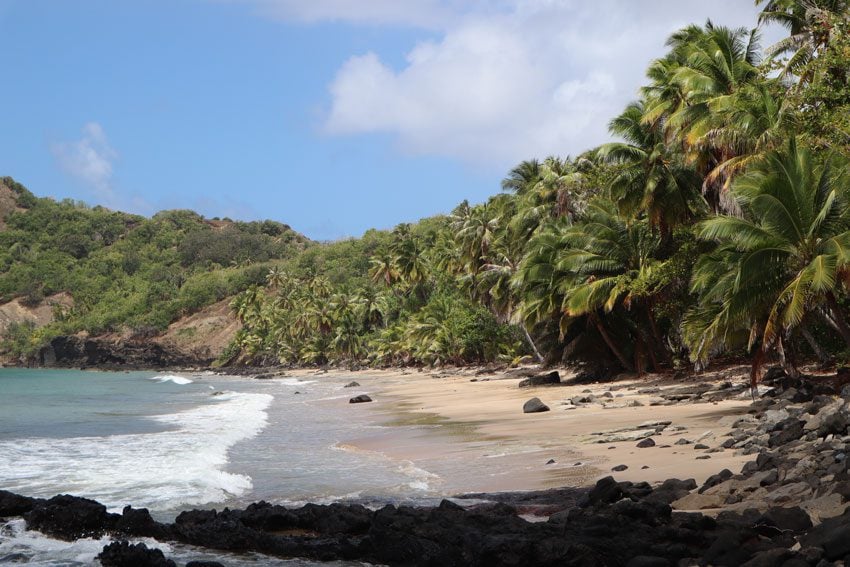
333,116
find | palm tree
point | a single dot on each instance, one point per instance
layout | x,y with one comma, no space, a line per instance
536,277
371,308
784,259
276,278
810,26
523,177
612,265
653,180
475,236
383,269
409,260
705,69
747,125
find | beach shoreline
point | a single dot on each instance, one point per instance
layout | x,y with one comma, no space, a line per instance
789,501
478,417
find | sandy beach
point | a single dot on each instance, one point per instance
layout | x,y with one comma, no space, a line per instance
471,432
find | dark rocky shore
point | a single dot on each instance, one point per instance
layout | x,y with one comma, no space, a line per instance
787,507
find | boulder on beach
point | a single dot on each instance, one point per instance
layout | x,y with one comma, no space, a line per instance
362,398
352,384
547,379
534,405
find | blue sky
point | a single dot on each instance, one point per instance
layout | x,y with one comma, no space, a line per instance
333,116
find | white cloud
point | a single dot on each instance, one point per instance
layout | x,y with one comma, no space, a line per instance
499,86
89,160
505,80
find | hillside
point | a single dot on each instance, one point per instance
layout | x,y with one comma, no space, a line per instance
70,269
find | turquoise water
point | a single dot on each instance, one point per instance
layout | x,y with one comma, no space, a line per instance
174,442
72,403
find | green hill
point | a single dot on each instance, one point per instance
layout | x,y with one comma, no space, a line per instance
126,272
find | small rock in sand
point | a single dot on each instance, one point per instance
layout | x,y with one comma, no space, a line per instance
352,385
619,468
648,442
362,398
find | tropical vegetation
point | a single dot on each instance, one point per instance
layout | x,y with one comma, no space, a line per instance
716,223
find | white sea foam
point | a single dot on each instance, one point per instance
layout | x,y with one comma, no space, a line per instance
34,549
181,466
181,380
41,550
422,480
294,382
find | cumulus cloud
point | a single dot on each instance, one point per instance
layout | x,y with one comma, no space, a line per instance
504,80
89,160
543,77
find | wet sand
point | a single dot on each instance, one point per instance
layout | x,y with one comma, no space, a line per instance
471,433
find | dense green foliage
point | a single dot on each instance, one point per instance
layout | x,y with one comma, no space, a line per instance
716,222
125,271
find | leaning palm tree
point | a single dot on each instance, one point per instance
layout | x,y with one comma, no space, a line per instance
785,258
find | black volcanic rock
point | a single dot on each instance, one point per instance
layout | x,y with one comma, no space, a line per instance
124,554
73,351
534,405
216,530
70,517
137,522
548,379
14,504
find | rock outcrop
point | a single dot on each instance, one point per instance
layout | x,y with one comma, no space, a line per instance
74,351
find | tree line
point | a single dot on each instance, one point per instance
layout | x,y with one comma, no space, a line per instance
717,223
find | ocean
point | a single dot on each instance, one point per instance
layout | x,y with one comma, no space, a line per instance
171,442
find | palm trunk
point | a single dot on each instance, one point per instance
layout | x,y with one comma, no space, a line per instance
656,334
653,360
613,347
838,318
786,361
569,349
755,372
530,341
640,346
823,358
